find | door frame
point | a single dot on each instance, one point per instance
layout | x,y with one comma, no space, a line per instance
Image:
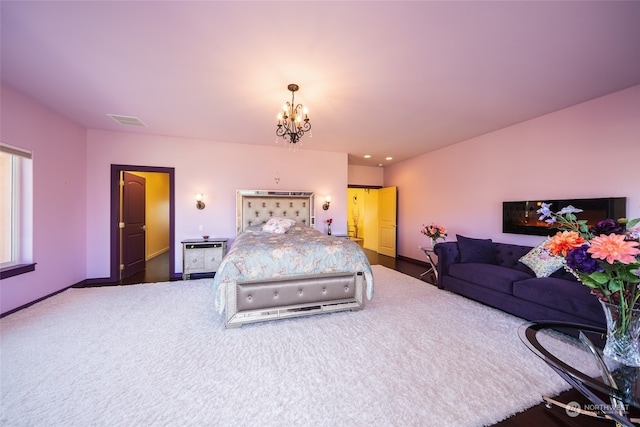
114,217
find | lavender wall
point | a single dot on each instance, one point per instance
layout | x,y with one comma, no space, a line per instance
59,193
588,150
461,186
366,175
217,170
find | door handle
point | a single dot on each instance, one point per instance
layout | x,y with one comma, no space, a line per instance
144,227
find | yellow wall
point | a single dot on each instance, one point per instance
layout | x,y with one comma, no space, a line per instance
364,202
157,212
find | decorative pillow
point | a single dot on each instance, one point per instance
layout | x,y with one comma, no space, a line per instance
253,228
278,225
541,261
476,250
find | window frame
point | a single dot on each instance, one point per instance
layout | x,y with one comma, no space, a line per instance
21,223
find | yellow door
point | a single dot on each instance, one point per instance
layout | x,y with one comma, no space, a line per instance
387,221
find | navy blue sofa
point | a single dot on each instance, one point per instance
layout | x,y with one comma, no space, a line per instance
501,281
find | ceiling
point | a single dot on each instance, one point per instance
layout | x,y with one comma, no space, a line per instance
381,78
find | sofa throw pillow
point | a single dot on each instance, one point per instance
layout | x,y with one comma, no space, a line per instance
476,250
278,225
541,261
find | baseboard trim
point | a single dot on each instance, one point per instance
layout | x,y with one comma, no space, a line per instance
22,307
106,281
86,283
157,253
415,261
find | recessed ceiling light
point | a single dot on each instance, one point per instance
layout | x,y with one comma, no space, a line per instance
367,156
388,158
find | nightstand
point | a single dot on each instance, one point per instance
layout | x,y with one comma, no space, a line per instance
202,256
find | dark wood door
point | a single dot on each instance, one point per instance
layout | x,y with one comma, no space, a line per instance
133,225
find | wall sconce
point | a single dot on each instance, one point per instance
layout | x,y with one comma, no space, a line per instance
199,203
327,201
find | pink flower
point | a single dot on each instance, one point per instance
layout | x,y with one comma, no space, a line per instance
434,231
614,248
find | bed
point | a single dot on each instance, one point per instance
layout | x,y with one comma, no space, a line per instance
269,274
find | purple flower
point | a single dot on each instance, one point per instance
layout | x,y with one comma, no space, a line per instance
569,210
544,211
580,260
607,227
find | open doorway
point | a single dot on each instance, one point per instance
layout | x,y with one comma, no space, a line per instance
362,216
153,232
371,218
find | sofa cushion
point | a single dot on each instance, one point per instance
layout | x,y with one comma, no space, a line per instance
541,261
563,295
490,276
476,250
564,274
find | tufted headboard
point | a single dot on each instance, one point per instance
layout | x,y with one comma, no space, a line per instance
255,207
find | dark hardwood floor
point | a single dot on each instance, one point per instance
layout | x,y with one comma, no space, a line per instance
157,270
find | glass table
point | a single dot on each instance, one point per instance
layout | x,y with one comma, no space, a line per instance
433,269
614,395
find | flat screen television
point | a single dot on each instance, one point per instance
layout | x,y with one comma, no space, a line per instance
520,217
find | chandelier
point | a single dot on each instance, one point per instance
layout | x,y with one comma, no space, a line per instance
293,120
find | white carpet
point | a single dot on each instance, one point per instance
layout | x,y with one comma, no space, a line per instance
158,354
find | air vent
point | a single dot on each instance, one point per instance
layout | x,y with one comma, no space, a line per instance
127,120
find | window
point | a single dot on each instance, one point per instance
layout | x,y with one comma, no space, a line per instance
16,200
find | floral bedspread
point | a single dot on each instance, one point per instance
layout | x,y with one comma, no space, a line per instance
256,254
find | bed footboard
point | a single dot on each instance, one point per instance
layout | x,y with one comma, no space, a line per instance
304,295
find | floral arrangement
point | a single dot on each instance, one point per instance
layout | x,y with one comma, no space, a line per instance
329,221
605,258
434,231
